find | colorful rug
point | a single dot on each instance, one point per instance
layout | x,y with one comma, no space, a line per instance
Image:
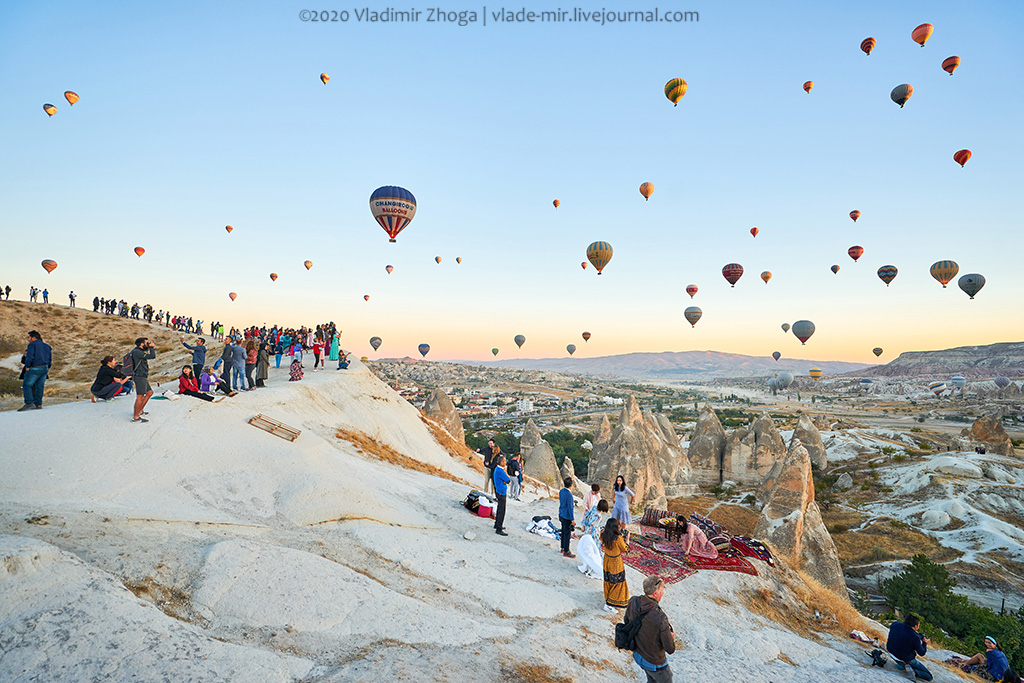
748,547
670,548
650,563
724,563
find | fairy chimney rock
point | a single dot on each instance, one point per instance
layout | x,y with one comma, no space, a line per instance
539,463
604,432
808,435
441,410
707,445
531,437
631,413
751,452
988,430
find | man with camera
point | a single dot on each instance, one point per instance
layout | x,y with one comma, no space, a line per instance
905,644
144,351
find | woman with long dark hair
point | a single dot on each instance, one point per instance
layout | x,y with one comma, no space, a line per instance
188,385
616,592
623,498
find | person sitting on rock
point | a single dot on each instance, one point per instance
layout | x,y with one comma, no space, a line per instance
295,372
905,644
209,381
188,385
992,665
695,542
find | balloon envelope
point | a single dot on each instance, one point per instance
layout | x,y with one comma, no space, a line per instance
375,342
72,97
971,283
835,269
389,269
944,271
803,329
949,64
808,85
646,189
228,228
366,297
599,254
901,93
732,272
815,374
424,349
571,348
922,33
958,381
674,90
393,208
691,290
586,336
784,380
583,265
692,315
308,264
867,45
49,265
877,351
232,295
754,231
556,203
785,327
139,251
776,355
519,340
458,259
766,276
494,351
855,215
1002,382
887,274
324,78
855,252
962,157
437,259
49,109
273,276
937,387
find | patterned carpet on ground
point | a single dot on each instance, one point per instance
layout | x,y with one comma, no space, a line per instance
650,563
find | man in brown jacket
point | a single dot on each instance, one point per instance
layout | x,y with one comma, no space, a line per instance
655,639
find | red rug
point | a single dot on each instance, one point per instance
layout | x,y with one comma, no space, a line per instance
650,563
724,563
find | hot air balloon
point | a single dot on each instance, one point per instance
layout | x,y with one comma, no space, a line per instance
393,208
835,269
971,283
583,265
494,351
958,381
867,45
815,374
556,203
937,387
519,340
785,327
692,315
139,251
599,254
325,78
674,90
784,380
375,342
887,274
273,276
366,297
922,33
962,157
586,336
49,109
363,358
228,228
949,64
865,383
389,268
232,296
803,329
308,264
944,271
1002,382
49,265
855,252
877,351
773,384
732,272
571,348
437,259
766,276
458,259
691,290
647,189
71,96
855,215
901,93
808,85
776,355
424,349
754,231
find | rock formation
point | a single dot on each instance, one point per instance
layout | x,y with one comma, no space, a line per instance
751,452
639,448
531,437
538,458
822,422
807,434
844,483
791,523
988,430
441,410
707,445
568,470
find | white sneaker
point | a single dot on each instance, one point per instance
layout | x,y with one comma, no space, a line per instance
609,608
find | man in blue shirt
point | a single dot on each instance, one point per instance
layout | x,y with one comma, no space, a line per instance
565,515
37,362
905,643
198,355
501,480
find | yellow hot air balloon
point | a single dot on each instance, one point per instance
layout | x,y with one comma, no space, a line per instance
556,203
49,109
72,96
922,33
766,276
325,78
599,254
646,190
674,90
308,264
815,374
232,295
437,259
808,85
944,271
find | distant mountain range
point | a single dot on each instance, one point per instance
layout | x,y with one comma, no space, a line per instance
698,365
1005,358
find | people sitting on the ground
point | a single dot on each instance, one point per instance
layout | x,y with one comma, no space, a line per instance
209,381
109,381
991,666
905,644
695,542
295,372
188,385
592,496
342,360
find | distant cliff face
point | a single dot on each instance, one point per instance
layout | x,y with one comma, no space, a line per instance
1006,358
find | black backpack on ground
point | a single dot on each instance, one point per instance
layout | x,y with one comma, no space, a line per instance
625,633
878,658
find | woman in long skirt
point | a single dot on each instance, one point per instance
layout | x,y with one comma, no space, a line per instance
623,498
616,592
334,348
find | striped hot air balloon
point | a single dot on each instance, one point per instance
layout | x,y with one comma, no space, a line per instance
944,271
691,290
71,96
375,342
776,355
599,254
785,327
732,272
901,93
922,33
855,215
808,85
692,315
424,349
647,189
949,64
962,157
586,336
393,208
867,45
937,387
49,265
815,374
855,252
877,351
674,90
571,348
887,274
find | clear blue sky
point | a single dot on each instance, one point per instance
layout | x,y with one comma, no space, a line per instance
197,115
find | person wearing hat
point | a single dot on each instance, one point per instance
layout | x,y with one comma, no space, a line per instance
992,665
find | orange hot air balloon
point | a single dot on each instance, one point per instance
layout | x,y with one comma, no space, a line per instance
72,96
49,109
583,265
855,215
325,78
949,64
308,264
139,251
273,276
49,265
855,252
437,259
228,228
586,336
232,296
922,33
458,259
389,268
556,203
867,45
766,276
691,290
754,231
366,297
646,190
808,85
962,157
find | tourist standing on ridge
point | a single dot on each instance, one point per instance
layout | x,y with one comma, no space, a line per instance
198,355
7,292
514,470
490,453
501,480
623,498
143,352
250,362
263,364
565,515
655,639
905,643
238,357
71,297
46,296
95,304
225,358
37,360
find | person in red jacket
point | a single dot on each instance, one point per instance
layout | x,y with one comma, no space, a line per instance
188,385
318,349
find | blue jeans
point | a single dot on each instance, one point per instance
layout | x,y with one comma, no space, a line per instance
278,359
238,377
919,670
32,385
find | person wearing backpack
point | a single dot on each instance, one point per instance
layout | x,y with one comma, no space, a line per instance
655,639
144,351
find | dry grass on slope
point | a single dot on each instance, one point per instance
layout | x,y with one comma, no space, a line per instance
525,672
459,451
368,445
885,538
737,519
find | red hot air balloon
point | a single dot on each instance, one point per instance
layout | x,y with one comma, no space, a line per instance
732,272
867,45
754,231
232,296
586,336
949,64
922,33
139,251
691,290
228,228
366,297
854,215
808,85
49,265
962,157
855,252
556,203
273,276
583,265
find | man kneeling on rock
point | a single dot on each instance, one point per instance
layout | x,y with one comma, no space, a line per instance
655,640
905,643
